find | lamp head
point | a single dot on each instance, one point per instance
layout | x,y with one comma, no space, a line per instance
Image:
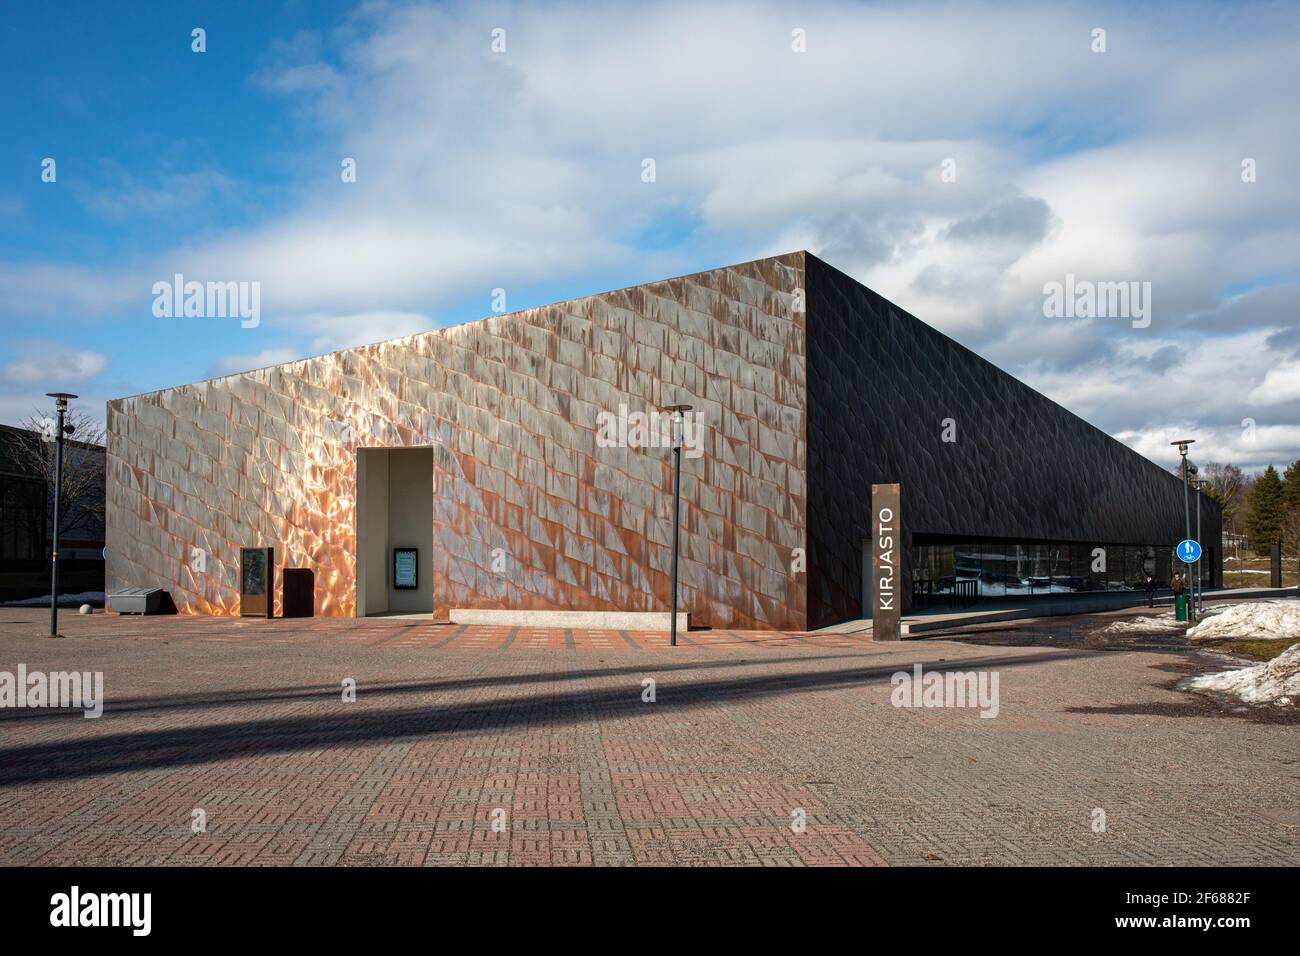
677,412
60,399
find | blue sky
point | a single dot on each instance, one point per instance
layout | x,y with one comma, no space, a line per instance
521,169
158,146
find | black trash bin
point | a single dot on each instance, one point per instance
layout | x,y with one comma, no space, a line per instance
299,593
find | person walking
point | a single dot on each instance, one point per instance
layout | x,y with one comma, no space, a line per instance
1151,591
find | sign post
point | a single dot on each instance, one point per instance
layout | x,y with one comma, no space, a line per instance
1189,552
886,562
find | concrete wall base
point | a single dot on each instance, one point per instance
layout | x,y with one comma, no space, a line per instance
578,620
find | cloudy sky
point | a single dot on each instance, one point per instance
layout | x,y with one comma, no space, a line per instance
956,157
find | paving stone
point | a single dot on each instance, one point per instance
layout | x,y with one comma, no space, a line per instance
748,730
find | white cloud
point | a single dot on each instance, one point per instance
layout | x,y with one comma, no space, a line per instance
1147,400
1281,384
22,409
478,170
125,195
243,363
53,364
333,332
37,367
1252,451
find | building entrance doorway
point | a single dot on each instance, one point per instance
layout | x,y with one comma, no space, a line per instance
394,531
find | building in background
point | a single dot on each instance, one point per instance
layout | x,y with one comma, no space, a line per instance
27,515
505,461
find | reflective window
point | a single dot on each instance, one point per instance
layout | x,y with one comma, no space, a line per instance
966,561
1008,569
1114,573
1037,580
993,564
1133,563
1015,568
1080,559
1164,569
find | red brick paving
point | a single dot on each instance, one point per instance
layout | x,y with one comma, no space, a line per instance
244,719
411,634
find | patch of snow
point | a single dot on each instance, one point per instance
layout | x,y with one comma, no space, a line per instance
1127,625
1258,620
65,600
1277,681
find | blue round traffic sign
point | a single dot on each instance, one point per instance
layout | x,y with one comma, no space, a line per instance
1189,551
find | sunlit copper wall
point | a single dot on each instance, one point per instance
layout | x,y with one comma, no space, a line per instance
509,405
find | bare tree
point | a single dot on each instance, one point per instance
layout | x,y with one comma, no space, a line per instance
1243,508
83,467
1225,484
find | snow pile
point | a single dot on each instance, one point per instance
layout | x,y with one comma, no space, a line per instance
1278,681
1257,620
65,600
1143,624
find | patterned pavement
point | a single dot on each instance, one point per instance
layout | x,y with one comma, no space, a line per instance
482,745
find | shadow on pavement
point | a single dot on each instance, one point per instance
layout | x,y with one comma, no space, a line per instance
94,753
214,699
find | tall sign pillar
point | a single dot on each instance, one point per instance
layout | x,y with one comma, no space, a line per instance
886,562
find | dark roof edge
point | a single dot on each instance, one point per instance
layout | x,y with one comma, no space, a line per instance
998,368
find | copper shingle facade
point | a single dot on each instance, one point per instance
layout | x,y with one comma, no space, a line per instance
510,407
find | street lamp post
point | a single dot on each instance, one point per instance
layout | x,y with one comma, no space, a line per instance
1182,444
678,423
61,404
1194,583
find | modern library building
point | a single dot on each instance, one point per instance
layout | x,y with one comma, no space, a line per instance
520,463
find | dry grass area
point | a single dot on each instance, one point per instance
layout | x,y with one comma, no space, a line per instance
1254,649
1253,571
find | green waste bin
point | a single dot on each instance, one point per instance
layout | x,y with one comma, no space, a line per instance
1180,607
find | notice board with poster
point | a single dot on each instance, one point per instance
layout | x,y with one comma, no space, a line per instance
406,569
256,582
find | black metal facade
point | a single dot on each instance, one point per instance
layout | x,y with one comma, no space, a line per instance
881,384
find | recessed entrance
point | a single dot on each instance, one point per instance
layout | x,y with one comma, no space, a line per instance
394,519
